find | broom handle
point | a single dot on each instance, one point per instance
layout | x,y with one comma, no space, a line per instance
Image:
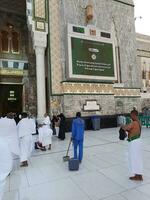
68,148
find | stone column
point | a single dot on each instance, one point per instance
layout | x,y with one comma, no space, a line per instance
40,43
40,77
37,24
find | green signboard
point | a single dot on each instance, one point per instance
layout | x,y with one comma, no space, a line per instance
92,58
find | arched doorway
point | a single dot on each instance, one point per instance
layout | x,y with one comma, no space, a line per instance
17,62
10,98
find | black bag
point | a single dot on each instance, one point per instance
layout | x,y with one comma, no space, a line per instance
73,164
122,134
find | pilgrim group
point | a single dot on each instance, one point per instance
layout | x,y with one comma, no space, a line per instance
17,140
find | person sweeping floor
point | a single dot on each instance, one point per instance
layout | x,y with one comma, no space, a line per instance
78,136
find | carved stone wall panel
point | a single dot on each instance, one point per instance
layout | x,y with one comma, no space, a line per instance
40,9
56,68
85,88
56,105
75,103
97,88
126,92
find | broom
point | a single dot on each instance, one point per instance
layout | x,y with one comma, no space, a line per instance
66,157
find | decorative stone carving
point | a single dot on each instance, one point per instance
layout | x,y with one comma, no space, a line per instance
91,105
39,39
39,50
40,9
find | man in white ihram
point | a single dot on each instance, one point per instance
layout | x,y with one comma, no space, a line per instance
32,124
47,121
5,164
8,131
45,134
25,137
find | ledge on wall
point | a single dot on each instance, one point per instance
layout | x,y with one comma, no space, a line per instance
106,121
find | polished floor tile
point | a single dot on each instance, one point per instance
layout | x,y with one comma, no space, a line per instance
134,194
13,195
96,185
103,174
115,197
18,180
63,189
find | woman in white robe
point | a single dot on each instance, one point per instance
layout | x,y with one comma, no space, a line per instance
5,164
26,142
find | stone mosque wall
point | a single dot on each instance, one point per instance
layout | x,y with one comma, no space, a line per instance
71,96
143,61
90,96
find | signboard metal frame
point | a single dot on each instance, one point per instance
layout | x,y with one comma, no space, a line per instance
96,38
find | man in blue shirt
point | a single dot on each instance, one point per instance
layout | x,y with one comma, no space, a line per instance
78,136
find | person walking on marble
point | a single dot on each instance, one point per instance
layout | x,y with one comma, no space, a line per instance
6,163
25,137
8,130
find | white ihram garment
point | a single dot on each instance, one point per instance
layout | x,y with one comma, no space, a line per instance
5,164
33,125
135,157
25,136
57,130
47,121
8,130
26,147
45,135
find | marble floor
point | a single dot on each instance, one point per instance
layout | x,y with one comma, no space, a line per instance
103,174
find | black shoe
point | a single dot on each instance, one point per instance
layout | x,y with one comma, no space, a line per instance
36,146
24,164
43,149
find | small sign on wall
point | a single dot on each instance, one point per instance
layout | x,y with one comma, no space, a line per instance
11,96
91,105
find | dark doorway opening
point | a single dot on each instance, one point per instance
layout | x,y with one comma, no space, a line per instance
10,98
